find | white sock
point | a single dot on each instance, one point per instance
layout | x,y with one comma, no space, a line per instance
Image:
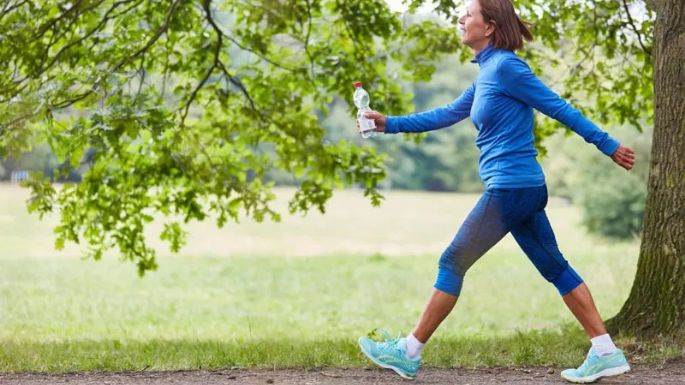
414,347
603,345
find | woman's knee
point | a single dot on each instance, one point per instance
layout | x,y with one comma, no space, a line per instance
449,281
458,257
567,280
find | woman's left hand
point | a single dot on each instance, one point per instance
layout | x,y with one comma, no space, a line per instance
624,157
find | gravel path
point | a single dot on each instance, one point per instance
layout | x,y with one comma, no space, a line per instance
671,373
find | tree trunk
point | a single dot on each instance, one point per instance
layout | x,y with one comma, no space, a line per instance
656,305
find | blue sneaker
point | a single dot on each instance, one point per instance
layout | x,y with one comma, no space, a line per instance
596,367
391,354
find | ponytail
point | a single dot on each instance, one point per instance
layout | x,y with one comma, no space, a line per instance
510,30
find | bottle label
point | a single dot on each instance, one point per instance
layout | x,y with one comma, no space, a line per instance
366,124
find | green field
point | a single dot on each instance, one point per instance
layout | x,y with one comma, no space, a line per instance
295,293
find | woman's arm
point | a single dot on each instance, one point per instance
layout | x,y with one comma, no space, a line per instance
520,83
434,119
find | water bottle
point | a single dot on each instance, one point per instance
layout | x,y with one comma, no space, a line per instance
361,100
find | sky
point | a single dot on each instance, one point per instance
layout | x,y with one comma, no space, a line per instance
396,5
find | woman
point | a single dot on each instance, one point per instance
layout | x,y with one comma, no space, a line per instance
500,103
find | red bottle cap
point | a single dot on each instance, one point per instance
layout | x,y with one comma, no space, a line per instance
357,84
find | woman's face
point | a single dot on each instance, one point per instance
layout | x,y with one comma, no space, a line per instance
475,32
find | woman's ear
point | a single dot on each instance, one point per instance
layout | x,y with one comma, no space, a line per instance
490,28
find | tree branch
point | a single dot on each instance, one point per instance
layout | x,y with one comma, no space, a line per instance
236,82
245,48
215,63
49,25
20,85
7,9
162,29
142,72
68,102
263,57
221,65
306,39
632,24
90,33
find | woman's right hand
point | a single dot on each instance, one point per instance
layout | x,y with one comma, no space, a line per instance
378,118
624,156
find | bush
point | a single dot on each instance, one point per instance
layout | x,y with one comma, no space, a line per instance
614,204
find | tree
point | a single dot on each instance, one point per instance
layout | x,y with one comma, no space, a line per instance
180,108
176,120
655,306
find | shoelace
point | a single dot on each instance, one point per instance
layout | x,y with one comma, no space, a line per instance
390,344
589,361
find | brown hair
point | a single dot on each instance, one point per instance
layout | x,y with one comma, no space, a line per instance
510,30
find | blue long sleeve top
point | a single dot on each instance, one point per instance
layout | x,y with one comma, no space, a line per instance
500,103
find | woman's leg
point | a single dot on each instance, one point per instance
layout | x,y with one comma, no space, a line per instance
579,301
482,229
536,238
439,306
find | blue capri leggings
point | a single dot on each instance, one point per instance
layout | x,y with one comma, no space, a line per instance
499,211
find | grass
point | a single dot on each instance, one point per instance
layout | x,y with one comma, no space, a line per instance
532,348
294,294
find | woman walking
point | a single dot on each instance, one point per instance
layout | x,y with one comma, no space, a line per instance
500,103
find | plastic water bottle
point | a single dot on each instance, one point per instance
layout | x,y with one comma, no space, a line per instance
361,100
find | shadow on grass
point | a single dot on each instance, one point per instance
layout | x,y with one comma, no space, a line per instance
541,348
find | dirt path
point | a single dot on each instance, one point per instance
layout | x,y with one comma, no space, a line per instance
671,373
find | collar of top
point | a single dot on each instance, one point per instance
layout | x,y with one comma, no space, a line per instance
484,55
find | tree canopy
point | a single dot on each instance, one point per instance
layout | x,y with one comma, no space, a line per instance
181,108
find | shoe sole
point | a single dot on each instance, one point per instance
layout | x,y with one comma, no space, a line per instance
604,373
386,366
